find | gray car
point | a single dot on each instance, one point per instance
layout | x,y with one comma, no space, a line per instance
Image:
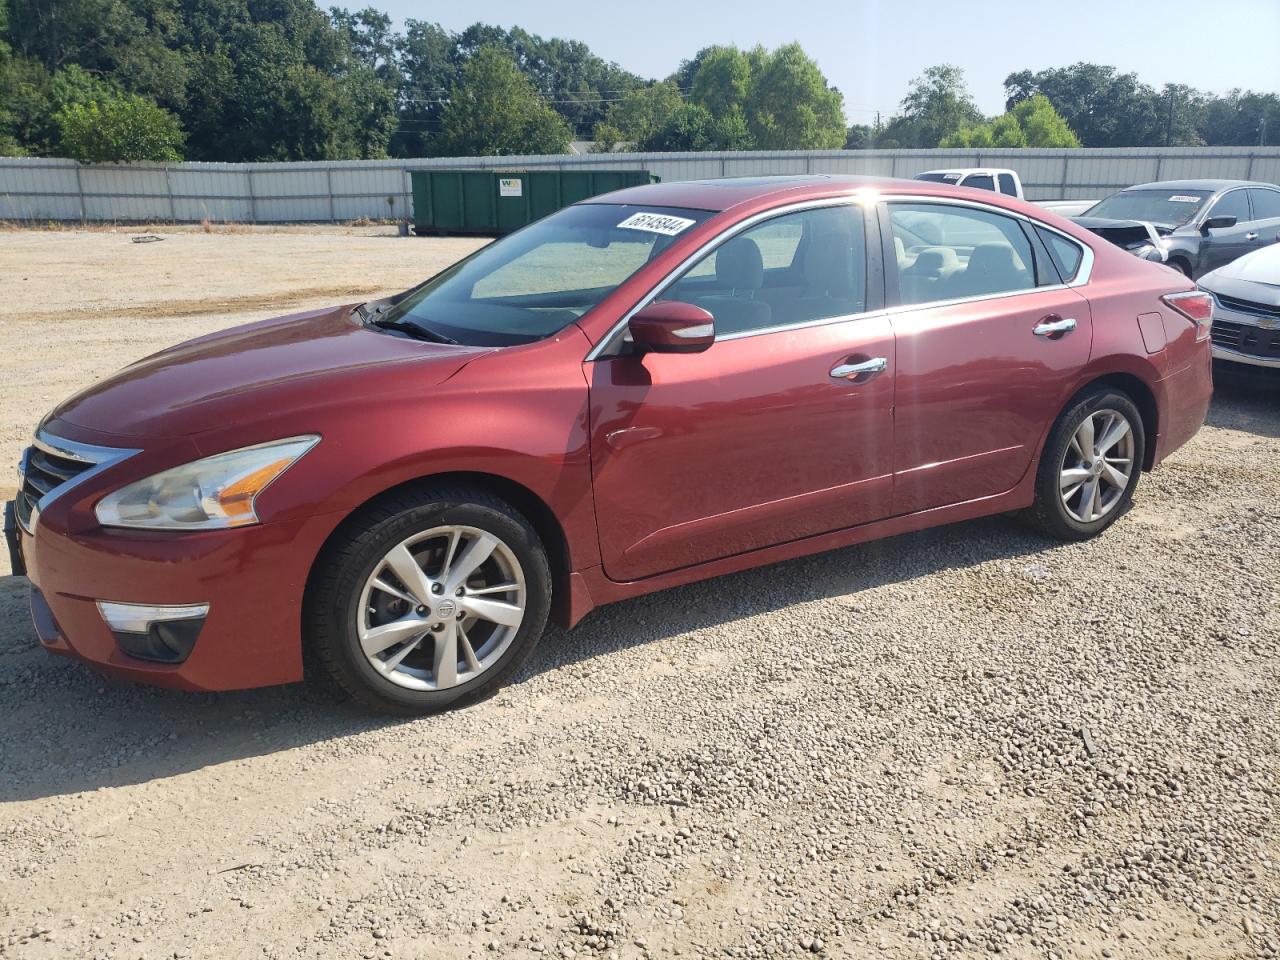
1193,225
1246,311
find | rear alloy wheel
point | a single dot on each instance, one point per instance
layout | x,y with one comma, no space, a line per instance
1090,466
429,600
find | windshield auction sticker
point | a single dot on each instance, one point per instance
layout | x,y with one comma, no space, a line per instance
661,223
1181,199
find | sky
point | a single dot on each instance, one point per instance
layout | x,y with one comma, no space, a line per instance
871,49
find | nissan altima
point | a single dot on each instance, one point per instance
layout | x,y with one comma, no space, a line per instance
647,388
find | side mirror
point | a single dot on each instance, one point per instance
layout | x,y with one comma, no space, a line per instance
1217,223
671,326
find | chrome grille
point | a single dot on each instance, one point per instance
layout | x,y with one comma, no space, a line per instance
51,465
1246,338
1248,306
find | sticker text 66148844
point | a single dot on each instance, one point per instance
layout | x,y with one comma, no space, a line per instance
662,223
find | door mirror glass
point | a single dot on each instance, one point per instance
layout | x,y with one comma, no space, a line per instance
670,326
1218,223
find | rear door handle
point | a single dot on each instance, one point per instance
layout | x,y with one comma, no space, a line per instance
1054,327
866,369
1251,236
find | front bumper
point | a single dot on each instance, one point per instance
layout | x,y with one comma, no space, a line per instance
251,578
1240,336
1236,356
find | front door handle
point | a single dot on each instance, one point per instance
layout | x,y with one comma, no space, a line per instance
866,369
1251,236
1054,327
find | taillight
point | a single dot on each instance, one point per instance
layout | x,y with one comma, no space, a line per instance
1196,306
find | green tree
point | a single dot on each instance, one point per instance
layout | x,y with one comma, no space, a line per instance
641,113
937,105
791,106
496,111
1031,123
1104,107
1242,118
722,81
125,128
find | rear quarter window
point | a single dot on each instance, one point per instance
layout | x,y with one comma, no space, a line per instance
1067,254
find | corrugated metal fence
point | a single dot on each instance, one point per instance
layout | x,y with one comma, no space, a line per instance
38,189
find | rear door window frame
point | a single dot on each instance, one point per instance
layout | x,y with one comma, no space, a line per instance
1044,267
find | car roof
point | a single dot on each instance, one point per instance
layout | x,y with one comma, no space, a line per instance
718,195
966,170
1204,185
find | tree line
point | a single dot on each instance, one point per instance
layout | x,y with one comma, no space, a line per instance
243,80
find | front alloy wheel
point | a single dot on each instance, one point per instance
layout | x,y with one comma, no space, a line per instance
441,607
428,598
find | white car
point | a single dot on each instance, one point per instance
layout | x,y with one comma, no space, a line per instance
995,179
1246,313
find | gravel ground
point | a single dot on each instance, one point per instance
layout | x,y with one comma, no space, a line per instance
963,742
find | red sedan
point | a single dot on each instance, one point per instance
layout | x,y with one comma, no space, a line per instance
651,387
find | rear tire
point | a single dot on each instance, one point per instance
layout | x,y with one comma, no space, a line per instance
1090,465
428,599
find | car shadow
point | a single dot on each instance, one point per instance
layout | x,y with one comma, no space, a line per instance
70,729
1245,398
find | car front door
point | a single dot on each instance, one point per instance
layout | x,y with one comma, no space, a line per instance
1223,244
988,339
782,429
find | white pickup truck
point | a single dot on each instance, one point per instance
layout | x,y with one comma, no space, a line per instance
1001,180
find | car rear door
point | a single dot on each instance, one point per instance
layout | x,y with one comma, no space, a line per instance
1264,203
985,349
782,429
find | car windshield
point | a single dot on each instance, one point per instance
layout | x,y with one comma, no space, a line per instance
535,282
939,177
1169,208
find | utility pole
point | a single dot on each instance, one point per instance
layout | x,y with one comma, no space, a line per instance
1168,129
1262,132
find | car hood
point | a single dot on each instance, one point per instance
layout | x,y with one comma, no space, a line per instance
272,366
1128,234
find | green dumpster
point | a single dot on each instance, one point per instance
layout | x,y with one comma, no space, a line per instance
499,201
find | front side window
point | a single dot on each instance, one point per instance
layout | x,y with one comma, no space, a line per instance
1165,208
1233,204
980,181
795,268
1266,204
535,282
954,252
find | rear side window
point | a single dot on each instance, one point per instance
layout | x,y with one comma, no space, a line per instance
951,252
1233,204
1266,204
1067,254
980,181
1007,184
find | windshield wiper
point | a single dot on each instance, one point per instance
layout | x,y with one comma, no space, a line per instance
416,330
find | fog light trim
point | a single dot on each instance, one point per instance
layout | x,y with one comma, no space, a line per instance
139,617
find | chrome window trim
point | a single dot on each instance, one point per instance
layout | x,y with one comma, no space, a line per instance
1217,199
98,459
868,198
710,245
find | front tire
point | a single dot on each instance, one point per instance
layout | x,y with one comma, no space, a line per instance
1090,466
428,599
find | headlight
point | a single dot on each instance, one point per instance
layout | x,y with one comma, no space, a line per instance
209,494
